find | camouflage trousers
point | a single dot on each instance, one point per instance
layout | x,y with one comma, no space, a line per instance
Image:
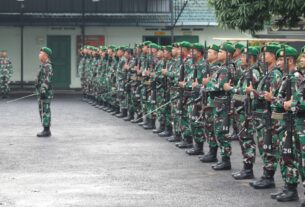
270,157
293,166
4,86
246,138
196,126
208,125
45,112
224,141
184,125
175,118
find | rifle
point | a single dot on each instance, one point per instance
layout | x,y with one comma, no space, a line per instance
248,100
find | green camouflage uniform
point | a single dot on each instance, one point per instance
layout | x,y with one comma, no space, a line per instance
44,92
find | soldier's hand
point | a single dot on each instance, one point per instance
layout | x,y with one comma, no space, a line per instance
164,71
181,84
268,95
195,83
227,86
43,95
206,80
287,104
249,89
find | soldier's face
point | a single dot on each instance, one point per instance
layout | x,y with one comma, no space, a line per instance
280,62
4,54
160,54
175,51
110,52
270,57
243,59
237,53
145,48
222,55
302,61
43,57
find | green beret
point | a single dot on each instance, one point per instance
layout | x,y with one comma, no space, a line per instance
47,50
228,47
239,46
303,50
154,45
251,51
198,46
123,48
176,44
3,50
185,44
271,48
146,43
214,47
290,52
169,48
112,47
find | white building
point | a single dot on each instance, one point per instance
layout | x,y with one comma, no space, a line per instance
26,26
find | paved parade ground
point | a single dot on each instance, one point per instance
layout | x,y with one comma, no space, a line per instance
96,159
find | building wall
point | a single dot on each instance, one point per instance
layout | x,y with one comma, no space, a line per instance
36,37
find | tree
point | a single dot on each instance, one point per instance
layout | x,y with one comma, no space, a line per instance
253,15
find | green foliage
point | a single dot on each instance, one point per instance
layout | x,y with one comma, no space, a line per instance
253,15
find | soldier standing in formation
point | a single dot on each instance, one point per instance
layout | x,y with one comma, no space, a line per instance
192,94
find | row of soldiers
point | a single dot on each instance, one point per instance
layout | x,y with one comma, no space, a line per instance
6,72
193,94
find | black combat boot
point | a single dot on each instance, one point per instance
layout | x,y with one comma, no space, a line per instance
174,138
266,181
196,150
110,109
225,164
116,111
274,195
167,132
290,194
137,119
159,129
150,124
143,122
122,114
185,143
302,204
245,173
45,133
129,117
210,157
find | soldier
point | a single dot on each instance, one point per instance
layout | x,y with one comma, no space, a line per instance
6,72
222,103
121,78
136,85
290,88
144,66
267,139
172,74
44,90
243,114
209,110
129,70
168,65
158,91
150,103
197,74
184,95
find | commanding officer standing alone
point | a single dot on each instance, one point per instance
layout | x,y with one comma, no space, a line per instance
44,90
